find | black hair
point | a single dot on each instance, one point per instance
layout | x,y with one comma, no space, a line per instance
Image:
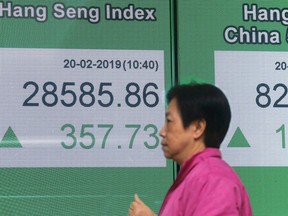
203,101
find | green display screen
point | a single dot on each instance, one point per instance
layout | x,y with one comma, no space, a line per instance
83,88
241,46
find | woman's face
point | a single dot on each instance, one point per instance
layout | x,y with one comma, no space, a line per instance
175,138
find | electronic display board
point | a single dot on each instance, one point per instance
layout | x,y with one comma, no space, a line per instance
83,88
241,47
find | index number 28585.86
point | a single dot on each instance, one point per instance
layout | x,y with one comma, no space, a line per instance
134,96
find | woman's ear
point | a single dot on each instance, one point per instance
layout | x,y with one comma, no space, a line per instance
198,128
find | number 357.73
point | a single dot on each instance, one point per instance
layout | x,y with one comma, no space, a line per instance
87,140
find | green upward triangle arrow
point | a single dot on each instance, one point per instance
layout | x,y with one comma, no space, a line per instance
238,140
10,140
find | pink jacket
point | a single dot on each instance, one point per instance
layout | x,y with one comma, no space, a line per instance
206,186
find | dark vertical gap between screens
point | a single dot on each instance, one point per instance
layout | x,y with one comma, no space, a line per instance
174,27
